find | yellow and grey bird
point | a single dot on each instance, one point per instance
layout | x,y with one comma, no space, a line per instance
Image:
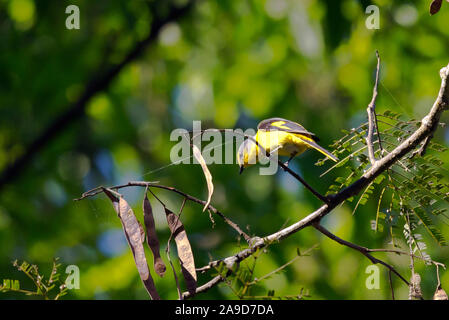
285,137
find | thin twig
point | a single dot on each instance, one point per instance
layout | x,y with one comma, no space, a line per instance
422,150
362,250
145,184
256,280
372,119
208,285
167,250
437,265
295,175
390,280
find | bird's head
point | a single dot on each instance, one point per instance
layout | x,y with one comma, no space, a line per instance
247,154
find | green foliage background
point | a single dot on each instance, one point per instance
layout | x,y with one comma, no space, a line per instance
229,64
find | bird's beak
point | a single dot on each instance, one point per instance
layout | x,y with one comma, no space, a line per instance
241,169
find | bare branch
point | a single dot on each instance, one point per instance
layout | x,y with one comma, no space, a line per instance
269,274
167,251
390,280
208,285
362,250
297,177
145,184
422,150
372,119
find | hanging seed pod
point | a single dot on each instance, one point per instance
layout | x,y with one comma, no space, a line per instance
185,253
152,239
132,229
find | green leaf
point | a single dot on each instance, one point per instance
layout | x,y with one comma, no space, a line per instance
379,179
10,285
429,226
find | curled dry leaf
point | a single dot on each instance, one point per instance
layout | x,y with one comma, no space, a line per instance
435,6
185,253
132,229
152,239
210,186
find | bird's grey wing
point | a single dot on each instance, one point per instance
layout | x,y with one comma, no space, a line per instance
285,125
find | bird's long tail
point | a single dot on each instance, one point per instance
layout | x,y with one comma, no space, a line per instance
314,145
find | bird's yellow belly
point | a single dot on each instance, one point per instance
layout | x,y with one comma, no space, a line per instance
285,143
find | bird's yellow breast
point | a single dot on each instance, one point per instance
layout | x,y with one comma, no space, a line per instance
286,143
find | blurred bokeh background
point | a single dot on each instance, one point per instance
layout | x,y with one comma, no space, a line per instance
229,64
